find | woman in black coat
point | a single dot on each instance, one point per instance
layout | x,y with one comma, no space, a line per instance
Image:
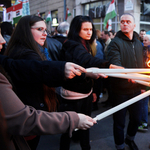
77,93
18,120
25,43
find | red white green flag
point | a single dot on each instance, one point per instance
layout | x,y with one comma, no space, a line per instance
67,13
111,13
14,13
49,17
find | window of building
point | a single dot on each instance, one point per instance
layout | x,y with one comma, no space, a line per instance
145,16
97,11
54,18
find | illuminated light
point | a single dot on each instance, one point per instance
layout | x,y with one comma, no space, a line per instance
54,22
148,63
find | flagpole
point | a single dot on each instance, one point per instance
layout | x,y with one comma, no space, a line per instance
117,13
64,9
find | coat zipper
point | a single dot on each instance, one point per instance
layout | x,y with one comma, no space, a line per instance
134,55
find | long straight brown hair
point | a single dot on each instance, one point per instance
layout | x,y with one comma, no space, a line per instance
22,36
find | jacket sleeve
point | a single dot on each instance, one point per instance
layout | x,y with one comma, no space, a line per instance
51,73
79,55
113,53
25,120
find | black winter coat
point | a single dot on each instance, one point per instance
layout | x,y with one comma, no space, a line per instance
127,53
75,52
54,47
30,93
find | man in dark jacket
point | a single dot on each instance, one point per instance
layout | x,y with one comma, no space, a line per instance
54,48
62,30
125,50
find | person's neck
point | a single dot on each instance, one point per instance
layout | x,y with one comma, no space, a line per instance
130,36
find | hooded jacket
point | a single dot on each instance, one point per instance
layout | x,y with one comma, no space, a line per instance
127,53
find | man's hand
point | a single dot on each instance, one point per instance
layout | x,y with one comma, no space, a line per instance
71,70
115,67
94,97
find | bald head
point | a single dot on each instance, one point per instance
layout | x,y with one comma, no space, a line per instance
128,14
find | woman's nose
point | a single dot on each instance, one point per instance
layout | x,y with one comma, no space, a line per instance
2,41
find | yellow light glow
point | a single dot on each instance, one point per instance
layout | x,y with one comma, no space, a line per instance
148,63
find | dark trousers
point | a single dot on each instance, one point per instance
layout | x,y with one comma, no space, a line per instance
119,117
34,142
80,106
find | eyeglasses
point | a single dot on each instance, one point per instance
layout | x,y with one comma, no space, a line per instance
40,29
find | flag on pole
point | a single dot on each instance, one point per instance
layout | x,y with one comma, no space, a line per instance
4,13
111,13
67,13
14,13
109,25
38,13
25,6
49,17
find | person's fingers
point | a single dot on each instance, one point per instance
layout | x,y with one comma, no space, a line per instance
115,67
79,68
103,76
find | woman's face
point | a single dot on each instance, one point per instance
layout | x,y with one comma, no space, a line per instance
2,41
39,32
86,30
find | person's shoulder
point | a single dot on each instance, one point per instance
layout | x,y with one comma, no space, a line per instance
51,40
71,43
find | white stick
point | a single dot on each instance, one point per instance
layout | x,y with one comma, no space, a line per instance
121,106
112,71
131,76
143,82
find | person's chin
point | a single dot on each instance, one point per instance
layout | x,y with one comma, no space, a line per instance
125,32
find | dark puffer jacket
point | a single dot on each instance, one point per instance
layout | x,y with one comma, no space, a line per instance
73,51
127,53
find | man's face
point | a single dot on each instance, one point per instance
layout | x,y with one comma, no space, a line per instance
103,35
127,24
111,35
142,33
146,41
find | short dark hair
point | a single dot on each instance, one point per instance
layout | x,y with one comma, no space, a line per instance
142,30
112,31
129,15
107,32
75,28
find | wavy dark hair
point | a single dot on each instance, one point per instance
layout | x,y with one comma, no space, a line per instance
22,36
75,28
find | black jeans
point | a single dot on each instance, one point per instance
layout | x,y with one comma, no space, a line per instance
119,117
80,106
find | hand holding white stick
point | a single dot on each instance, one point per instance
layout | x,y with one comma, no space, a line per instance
71,70
85,122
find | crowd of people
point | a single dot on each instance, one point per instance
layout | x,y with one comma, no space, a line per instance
45,89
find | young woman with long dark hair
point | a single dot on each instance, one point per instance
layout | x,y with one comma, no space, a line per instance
76,93
18,120
25,43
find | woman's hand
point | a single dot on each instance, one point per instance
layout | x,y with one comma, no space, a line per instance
85,122
95,75
71,70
